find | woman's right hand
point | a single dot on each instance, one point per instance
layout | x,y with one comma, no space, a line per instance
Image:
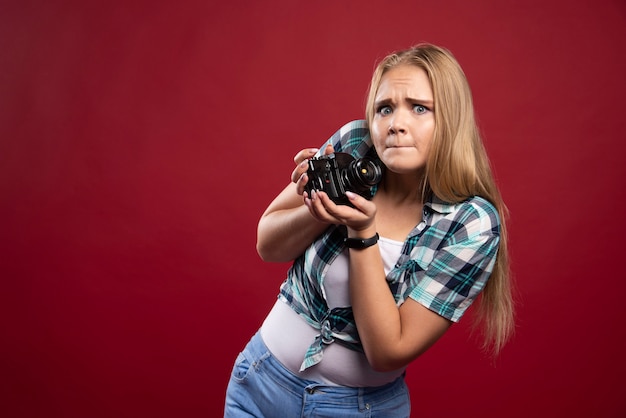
298,176
287,228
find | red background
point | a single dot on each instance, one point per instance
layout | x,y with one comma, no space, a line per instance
141,140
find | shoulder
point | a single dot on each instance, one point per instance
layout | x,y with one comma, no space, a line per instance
354,129
483,214
472,217
353,137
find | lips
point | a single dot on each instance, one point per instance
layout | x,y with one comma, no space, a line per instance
393,143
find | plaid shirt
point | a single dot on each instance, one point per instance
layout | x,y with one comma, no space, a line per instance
444,264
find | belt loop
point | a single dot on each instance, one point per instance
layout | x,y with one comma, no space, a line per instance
363,405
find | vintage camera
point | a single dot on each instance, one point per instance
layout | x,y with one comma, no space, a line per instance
340,172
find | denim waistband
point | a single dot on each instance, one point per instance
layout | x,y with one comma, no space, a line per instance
361,396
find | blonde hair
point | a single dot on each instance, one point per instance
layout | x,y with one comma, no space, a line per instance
458,168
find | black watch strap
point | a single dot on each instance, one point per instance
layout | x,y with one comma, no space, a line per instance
360,243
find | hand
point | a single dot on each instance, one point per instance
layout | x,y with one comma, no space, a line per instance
359,219
301,159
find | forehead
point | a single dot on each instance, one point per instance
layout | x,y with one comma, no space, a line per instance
405,78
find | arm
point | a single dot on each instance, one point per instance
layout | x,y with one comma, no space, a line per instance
392,337
287,227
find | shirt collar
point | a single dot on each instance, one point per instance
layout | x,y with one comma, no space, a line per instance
435,204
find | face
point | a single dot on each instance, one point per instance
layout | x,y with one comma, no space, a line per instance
403,124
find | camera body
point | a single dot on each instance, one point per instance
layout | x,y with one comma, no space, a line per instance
337,173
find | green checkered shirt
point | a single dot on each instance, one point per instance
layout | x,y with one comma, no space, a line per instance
444,264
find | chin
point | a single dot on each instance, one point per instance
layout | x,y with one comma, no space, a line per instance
398,167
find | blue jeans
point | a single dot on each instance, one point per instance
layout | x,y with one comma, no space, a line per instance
260,386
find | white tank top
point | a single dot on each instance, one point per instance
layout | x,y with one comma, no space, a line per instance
288,335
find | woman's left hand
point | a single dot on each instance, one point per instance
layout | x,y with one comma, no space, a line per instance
361,217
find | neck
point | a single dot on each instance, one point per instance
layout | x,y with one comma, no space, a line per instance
402,188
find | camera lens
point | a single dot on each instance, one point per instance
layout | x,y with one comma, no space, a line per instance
362,174
368,172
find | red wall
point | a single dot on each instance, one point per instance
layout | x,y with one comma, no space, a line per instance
141,140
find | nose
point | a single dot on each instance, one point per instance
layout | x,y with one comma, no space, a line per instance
397,124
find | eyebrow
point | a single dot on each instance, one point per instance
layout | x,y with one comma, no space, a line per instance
384,102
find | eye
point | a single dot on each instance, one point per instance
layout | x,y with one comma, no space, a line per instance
419,109
384,110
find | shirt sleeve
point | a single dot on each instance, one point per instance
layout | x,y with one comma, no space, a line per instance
462,261
352,138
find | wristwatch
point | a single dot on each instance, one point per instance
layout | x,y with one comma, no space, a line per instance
360,243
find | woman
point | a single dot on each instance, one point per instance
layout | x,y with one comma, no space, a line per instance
377,282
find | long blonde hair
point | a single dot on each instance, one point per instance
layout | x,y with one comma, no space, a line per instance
458,168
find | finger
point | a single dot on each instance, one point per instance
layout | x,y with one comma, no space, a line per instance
359,216
362,204
343,214
302,163
309,202
317,207
329,149
304,154
326,209
301,168
301,183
